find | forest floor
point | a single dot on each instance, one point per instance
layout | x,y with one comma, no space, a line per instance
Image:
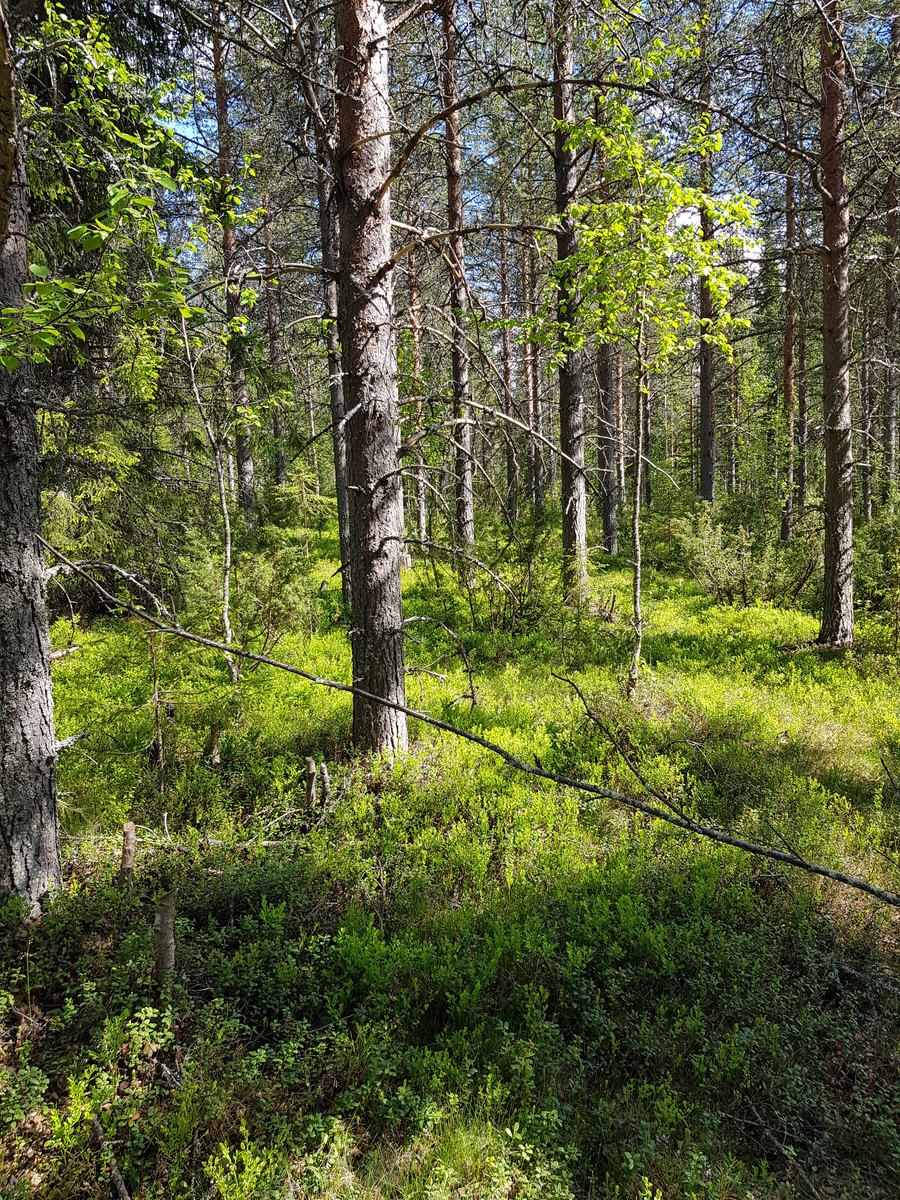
458,981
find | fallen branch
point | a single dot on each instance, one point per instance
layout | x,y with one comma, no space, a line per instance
106,1148
534,769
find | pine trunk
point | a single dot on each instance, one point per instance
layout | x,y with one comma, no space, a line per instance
370,372
837,608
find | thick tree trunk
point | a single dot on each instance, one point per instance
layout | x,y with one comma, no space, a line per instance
707,365
512,465
571,380
370,372
246,484
459,296
606,448
415,328
29,839
790,319
837,608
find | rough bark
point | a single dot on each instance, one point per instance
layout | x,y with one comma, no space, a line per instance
837,607
571,377
889,415
29,839
459,296
370,372
606,448
246,484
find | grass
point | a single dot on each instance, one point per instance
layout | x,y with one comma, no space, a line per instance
463,983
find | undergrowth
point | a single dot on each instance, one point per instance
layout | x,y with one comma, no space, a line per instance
458,982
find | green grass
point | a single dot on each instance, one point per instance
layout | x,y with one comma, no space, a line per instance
464,983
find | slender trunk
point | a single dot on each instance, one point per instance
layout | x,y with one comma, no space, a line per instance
459,296
607,446
735,424
275,362
512,466
311,413
802,395
707,385
362,165
29,838
866,375
620,427
837,608
645,451
691,430
790,319
535,459
571,380
329,237
239,395
421,500
640,402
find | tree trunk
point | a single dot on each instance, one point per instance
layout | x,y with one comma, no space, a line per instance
329,237
802,394
790,318
620,427
707,393
606,448
571,381
641,390
275,363
459,296
534,460
837,608
512,466
418,384
369,351
29,839
889,416
866,375
246,485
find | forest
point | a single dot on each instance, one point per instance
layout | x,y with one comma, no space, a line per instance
449,599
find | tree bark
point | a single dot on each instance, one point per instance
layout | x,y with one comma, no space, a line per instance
865,415
459,296
29,838
641,391
790,320
246,484
362,167
571,377
707,398
889,415
837,607
534,459
418,384
620,427
802,393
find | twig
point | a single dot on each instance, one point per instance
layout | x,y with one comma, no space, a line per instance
106,1147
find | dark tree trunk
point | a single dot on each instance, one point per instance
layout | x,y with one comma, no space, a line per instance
459,296
837,607
571,381
802,394
29,839
246,485
790,319
370,372
606,448
889,416
707,394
